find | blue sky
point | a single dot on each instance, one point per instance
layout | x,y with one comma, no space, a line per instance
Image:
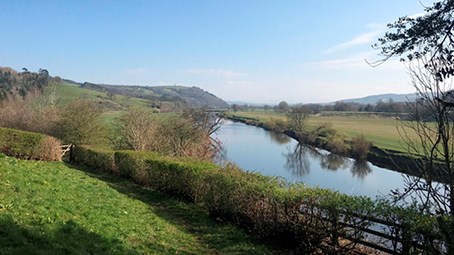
253,51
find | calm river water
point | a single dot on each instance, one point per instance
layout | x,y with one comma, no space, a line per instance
274,154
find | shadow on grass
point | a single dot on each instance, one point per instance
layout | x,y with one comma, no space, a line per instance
66,238
190,218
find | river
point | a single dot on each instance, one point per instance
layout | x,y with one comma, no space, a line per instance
275,154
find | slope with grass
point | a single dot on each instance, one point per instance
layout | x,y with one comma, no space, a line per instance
53,208
157,95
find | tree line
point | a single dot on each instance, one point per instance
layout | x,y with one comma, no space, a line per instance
389,106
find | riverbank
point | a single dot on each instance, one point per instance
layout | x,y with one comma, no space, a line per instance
386,158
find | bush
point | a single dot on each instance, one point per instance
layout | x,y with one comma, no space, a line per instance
278,125
28,145
80,123
337,146
97,158
178,176
360,147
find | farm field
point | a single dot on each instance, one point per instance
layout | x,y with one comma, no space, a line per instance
53,208
382,132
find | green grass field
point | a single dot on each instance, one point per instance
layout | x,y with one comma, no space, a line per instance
53,208
382,132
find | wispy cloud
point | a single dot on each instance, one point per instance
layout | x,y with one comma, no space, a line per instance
354,63
361,39
214,72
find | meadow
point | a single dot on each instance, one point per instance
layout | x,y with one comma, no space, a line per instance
383,132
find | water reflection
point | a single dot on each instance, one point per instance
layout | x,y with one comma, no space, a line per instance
278,137
298,163
333,162
360,169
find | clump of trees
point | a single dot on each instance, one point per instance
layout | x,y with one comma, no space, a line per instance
188,134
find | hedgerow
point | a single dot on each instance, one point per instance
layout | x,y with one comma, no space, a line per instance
28,145
95,157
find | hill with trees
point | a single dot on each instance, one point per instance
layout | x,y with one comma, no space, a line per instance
373,99
180,96
19,85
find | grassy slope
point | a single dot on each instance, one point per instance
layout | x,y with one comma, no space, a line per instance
382,132
51,208
68,92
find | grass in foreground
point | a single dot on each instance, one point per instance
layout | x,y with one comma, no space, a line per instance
51,208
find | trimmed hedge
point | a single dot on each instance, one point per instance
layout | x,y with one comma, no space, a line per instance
28,145
178,176
310,219
94,157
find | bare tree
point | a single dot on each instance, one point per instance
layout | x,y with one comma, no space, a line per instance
297,116
137,130
433,126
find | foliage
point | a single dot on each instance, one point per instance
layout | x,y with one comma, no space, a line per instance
428,37
20,85
360,147
337,145
163,173
95,158
27,145
282,107
52,208
80,123
277,124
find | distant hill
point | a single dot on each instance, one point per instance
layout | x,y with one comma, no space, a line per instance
383,97
16,85
178,95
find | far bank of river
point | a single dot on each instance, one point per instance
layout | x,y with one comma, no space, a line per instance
275,154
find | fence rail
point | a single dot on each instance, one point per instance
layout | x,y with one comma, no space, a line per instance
386,236
65,148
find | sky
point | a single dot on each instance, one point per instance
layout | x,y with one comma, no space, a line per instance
255,51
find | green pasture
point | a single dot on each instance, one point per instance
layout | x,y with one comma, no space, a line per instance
382,132
53,208
68,92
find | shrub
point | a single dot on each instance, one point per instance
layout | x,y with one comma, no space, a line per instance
278,125
325,130
337,146
178,176
50,149
95,157
28,145
80,123
360,147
